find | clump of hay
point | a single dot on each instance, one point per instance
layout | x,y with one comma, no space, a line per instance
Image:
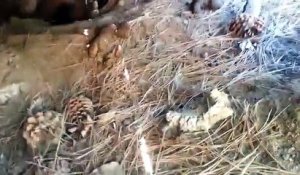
278,49
168,62
165,64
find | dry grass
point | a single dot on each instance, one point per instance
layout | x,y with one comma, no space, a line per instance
157,73
167,64
163,67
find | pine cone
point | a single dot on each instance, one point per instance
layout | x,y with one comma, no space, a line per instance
246,25
79,116
43,128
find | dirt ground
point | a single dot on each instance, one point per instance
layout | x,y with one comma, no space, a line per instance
170,64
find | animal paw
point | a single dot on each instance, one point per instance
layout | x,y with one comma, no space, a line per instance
107,39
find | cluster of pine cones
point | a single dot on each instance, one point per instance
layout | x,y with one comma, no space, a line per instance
45,127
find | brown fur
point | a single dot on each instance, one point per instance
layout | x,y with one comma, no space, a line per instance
52,10
111,4
46,9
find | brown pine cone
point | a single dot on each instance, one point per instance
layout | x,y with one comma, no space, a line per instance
246,25
43,128
79,116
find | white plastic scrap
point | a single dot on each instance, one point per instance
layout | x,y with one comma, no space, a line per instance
246,45
196,122
10,91
112,168
146,157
